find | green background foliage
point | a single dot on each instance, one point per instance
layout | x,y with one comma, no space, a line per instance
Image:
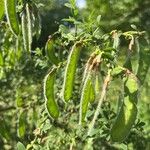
23,117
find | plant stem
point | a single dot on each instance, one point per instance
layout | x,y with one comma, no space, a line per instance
138,54
103,93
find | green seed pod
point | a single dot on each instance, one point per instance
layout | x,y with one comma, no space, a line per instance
22,124
29,26
128,62
92,93
10,9
37,20
107,55
131,83
70,71
25,31
85,97
86,70
128,112
26,23
131,87
124,121
51,105
1,9
50,52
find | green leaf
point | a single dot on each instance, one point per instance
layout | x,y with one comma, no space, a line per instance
76,12
98,19
20,146
4,129
107,55
89,144
50,103
68,5
133,27
117,71
109,49
19,102
69,19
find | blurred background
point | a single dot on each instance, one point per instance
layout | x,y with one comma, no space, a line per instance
21,80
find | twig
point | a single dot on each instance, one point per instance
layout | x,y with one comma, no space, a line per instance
103,93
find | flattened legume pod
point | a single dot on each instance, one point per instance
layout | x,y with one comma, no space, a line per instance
85,97
50,52
29,26
70,71
51,105
128,112
124,121
131,83
25,31
92,92
37,20
10,9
